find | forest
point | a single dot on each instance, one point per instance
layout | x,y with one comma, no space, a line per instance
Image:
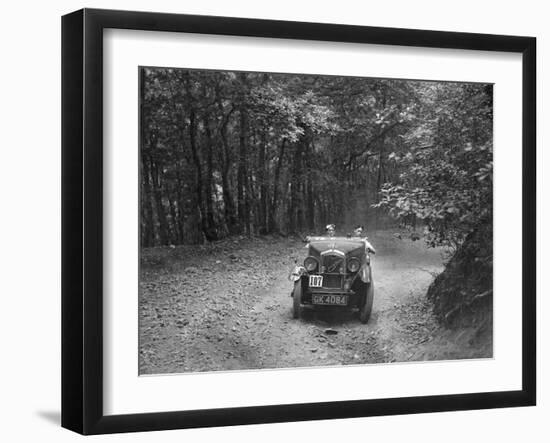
225,153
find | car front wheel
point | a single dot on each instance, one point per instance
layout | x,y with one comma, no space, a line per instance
366,308
297,299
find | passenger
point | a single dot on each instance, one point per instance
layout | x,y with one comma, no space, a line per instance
359,231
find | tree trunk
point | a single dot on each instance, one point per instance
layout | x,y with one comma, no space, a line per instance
310,196
262,172
242,182
209,189
198,174
230,215
148,222
164,230
173,219
295,190
274,201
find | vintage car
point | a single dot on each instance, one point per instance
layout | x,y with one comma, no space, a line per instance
336,272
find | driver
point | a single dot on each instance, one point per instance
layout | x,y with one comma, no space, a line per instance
330,229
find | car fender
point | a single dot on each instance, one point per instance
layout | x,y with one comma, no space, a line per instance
365,273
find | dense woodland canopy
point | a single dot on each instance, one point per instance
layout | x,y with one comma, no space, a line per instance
227,153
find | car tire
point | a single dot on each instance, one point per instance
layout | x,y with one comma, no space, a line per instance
297,299
366,308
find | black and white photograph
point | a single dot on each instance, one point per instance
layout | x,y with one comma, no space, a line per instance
297,220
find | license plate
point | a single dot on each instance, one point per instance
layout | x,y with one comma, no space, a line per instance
329,299
316,281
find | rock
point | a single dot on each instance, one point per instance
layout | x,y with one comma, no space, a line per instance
314,350
331,331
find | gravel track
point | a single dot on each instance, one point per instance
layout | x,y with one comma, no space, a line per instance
227,306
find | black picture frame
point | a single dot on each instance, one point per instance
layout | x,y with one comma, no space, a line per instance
82,218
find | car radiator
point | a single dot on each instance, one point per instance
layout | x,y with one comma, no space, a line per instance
332,281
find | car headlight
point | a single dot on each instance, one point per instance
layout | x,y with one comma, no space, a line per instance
354,264
310,263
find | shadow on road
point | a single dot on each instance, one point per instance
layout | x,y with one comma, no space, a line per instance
328,316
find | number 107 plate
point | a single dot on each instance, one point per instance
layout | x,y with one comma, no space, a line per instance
316,281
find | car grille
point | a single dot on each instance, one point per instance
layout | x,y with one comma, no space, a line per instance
332,281
332,263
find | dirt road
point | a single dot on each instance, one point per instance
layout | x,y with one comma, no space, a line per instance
227,306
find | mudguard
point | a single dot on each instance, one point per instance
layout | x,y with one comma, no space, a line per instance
365,273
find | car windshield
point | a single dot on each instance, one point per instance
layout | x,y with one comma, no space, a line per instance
336,238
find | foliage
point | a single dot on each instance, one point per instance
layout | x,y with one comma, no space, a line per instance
463,293
255,153
446,166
